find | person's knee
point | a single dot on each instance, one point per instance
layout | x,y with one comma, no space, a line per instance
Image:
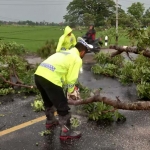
62,113
63,108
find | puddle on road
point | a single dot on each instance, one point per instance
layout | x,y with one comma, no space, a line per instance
111,87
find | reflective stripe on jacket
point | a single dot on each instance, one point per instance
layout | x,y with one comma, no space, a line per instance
61,68
65,41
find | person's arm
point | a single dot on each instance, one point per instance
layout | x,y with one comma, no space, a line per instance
73,74
59,45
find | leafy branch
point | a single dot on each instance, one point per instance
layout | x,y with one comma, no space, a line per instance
14,84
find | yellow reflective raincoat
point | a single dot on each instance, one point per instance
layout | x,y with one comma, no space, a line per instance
65,41
61,68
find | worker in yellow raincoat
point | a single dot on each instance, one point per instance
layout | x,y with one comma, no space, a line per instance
66,41
49,80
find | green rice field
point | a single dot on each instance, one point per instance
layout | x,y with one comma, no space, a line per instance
34,37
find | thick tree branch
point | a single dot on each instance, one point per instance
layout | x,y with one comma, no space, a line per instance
115,103
127,49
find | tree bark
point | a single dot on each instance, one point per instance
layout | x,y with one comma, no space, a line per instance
115,103
127,49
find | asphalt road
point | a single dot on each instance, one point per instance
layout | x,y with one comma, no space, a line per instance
134,134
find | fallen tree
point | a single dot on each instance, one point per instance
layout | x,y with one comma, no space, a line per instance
135,50
18,68
117,104
144,105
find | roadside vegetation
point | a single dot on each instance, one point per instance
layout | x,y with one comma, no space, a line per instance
16,75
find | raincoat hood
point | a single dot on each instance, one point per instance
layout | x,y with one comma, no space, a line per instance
67,30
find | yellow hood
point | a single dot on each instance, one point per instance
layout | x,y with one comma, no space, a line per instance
67,30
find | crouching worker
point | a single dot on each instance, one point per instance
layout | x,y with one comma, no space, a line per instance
48,79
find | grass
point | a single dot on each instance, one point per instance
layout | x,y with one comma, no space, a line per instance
34,37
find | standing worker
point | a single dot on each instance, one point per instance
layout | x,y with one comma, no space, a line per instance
48,79
66,41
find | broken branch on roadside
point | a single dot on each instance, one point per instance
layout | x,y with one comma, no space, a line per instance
117,104
128,49
14,84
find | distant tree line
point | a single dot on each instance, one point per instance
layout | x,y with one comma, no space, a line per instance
31,23
103,13
99,13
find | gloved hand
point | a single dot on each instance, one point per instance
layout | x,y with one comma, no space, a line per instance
75,95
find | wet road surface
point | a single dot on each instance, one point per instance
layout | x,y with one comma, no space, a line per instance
134,134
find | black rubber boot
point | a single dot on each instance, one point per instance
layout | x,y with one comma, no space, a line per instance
51,120
66,131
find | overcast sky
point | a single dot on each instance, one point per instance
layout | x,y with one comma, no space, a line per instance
48,10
